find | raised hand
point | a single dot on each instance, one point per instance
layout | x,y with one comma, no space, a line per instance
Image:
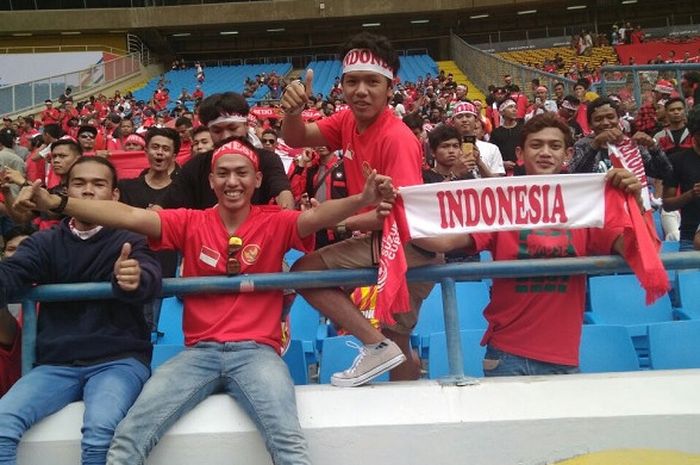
127,270
296,95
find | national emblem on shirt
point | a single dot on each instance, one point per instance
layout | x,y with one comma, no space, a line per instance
250,254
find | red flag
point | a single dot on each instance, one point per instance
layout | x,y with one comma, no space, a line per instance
641,244
392,290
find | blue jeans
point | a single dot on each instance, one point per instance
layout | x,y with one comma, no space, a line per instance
500,363
253,374
108,390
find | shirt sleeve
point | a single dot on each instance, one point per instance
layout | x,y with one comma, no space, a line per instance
173,226
482,241
303,244
403,161
331,129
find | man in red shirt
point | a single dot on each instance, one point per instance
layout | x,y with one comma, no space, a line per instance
233,339
50,115
371,137
535,323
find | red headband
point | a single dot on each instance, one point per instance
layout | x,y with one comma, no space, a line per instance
235,148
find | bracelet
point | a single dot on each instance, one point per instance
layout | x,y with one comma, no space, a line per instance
61,206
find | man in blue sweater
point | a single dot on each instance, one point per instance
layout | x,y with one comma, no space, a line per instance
97,351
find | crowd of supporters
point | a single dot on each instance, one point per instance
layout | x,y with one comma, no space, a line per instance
319,172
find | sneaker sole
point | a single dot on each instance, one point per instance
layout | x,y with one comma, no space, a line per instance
370,375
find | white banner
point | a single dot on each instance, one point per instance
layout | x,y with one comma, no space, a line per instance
503,204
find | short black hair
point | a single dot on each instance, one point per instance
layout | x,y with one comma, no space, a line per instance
7,137
228,102
270,131
692,77
597,103
559,83
70,143
441,133
673,100
378,45
183,121
413,121
99,161
694,120
199,129
18,230
168,133
53,130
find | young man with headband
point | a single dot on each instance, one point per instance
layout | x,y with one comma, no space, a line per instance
370,137
233,339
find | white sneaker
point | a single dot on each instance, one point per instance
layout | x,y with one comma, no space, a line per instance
372,361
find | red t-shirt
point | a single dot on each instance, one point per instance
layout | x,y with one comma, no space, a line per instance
50,116
267,233
387,146
540,317
10,364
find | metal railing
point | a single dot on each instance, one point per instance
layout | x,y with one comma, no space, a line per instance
136,45
26,95
485,69
62,48
639,80
446,275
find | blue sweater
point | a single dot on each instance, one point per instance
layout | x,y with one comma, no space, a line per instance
84,332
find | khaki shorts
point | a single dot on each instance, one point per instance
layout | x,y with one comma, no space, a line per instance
363,252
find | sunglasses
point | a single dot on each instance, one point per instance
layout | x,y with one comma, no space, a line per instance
233,266
86,136
268,141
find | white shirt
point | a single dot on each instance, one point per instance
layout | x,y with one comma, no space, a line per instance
491,156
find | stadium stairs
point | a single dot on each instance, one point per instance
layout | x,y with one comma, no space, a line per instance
473,92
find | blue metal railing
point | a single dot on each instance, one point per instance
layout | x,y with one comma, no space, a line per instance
641,78
447,275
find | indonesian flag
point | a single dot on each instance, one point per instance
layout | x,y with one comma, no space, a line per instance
507,204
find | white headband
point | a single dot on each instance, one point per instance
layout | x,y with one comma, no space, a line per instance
228,118
362,59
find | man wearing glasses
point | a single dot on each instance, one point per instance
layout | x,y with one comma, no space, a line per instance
233,339
86,138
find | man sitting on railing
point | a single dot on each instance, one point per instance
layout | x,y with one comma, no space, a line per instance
233,339
97,351
535,323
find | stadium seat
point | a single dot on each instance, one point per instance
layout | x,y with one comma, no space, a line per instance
620,300
606,348
164,352
337,355
307,327
688,292
472,353
472,298
169,329
674,345
295,358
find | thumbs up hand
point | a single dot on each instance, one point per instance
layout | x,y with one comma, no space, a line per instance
127,270
297,94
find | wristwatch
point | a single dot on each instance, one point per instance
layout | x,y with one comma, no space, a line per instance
341,228
61,206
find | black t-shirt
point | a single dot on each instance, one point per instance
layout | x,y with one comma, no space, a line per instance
507,139
137,193
191,188
686,172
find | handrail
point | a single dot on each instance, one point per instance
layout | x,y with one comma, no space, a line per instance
445,274
62,48
677,68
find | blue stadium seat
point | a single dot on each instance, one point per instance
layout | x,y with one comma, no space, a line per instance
170,322
307,327
688,292
472,352
337,355
295,358
164,352
620,300
674,345
472,298
606,348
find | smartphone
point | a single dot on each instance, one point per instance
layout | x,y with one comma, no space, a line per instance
468,143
